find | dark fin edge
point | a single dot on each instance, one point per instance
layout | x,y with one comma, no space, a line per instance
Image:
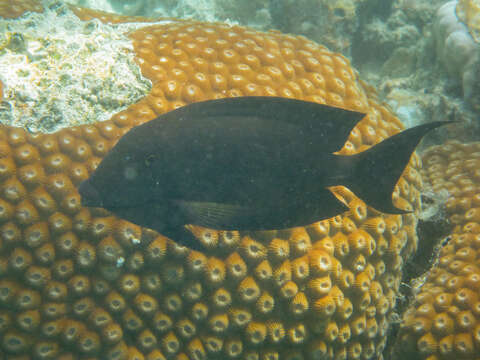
333,124
378,169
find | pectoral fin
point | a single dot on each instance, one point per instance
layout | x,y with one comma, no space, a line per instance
215,215
304,211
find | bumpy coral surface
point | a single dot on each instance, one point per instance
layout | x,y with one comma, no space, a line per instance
444,320
80,283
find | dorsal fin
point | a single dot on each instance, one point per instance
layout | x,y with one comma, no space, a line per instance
328,125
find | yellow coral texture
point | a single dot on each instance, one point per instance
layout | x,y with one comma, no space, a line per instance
78,283
444,320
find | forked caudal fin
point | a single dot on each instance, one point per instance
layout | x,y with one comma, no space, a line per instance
377,170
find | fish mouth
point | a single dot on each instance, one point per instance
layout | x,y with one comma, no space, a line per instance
90,196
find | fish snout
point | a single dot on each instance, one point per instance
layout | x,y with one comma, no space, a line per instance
89,195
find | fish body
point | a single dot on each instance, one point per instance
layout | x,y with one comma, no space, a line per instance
248,163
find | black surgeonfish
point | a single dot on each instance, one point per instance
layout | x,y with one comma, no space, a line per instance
246,163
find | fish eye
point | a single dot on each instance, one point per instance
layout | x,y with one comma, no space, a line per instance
149,160
130,172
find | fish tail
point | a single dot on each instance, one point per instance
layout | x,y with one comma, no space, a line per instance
377,170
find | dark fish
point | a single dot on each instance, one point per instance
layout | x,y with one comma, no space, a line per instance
247,163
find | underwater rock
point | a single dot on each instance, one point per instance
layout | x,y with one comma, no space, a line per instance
468,11
254,13
58,71
333,23
458,51
413,79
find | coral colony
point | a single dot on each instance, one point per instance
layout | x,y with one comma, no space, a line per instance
80,283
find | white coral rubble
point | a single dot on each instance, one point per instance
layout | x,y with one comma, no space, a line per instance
58,71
